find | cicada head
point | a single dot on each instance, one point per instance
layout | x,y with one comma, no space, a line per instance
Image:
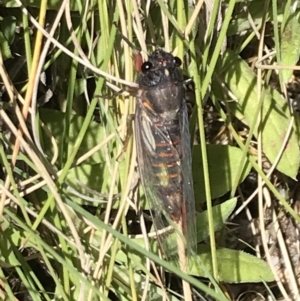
161,69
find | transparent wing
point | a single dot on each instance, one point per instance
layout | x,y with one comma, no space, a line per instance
188,188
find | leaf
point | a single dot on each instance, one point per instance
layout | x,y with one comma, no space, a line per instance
274,122
8,28
55,121
220,214
241,21
94,176
233,266
290,44
4,47
223,164
7,249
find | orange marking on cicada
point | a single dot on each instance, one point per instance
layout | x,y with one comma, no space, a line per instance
166,155
168,176
163,165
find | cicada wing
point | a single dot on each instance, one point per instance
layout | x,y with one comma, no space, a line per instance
188,188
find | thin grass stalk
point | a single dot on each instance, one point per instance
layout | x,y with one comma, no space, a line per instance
277,39
27,43
6,285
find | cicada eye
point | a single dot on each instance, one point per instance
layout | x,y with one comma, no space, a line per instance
177,61
146,66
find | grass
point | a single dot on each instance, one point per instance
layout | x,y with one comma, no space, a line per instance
69,191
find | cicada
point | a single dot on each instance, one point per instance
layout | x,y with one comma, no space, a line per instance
164,152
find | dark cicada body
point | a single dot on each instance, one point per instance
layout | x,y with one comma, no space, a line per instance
163,147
